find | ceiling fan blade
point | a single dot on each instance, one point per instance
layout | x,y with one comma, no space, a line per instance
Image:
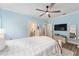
43,14
58,11
40,10
49,15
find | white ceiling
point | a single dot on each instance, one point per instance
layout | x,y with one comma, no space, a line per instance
29,8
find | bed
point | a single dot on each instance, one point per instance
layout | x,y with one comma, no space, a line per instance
31,46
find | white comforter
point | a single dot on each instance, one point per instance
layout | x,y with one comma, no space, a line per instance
32,46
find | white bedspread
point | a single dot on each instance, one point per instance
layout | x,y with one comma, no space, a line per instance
32,46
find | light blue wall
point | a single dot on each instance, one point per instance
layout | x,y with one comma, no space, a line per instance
15,24
0,18
70,19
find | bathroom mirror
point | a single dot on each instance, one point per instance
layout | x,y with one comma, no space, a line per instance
32,28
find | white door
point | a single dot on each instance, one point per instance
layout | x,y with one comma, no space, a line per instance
50,29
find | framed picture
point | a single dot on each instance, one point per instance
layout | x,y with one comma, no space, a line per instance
72,31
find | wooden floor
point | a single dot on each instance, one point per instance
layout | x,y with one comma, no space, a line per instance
72,47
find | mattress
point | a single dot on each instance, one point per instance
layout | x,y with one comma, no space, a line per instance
32,46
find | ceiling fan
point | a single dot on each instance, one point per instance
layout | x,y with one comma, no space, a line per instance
48,10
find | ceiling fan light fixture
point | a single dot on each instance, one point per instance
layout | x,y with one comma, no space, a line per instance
47,13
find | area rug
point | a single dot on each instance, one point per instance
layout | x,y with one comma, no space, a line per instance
66,52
